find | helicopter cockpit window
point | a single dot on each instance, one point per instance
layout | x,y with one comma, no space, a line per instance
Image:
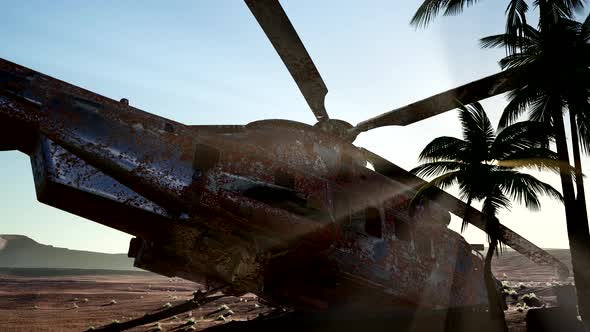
402,230
205,157
284,179
373,222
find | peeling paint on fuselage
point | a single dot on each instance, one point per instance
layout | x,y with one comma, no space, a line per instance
281,197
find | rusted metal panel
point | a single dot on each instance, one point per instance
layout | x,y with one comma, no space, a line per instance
65,181
276,207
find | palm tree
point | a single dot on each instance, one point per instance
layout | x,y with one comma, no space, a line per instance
545,49
515,12
557,58
484,166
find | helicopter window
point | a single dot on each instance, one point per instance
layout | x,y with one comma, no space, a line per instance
373,222
402,230
205,157
284,179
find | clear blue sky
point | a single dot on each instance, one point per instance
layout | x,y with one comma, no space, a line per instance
208,62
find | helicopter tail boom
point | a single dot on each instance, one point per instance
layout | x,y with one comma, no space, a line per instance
132,146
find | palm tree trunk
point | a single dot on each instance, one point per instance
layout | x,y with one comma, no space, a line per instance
577,225
492,229
494,301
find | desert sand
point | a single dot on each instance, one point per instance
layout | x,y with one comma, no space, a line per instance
76,303
38,301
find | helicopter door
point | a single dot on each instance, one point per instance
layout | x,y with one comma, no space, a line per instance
373,225
371,241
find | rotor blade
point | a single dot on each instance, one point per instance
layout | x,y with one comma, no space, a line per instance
458,208
466,94
277,27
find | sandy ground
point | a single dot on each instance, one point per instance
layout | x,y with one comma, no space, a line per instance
75,303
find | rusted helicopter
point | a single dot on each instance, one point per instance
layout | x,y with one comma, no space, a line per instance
291,212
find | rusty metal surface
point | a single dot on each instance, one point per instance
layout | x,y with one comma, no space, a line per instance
276,207
65,181
445,101
279,30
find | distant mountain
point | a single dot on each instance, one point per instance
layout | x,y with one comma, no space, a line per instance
19,251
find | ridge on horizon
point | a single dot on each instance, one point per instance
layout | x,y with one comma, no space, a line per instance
21,251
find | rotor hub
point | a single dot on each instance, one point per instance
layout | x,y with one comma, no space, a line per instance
339,128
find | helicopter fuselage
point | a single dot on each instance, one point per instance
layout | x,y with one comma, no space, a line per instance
277,208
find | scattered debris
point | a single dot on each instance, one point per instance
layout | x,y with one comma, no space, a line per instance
531,300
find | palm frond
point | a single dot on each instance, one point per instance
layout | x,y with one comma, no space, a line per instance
515,22
428,190
427,11
516,60
516,13
504,40
455,7
518,100
525,188
583,121
495,200
519,137
444,148
436,168
541,108
478,132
